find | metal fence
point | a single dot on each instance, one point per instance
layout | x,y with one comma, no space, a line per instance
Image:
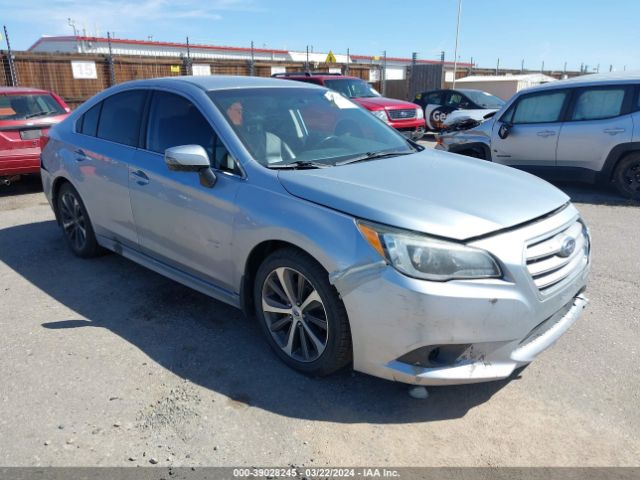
55,72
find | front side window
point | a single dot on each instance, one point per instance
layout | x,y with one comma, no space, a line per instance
24,107
539,108
352,88
598,103
175,121
285,125
454,99
121,117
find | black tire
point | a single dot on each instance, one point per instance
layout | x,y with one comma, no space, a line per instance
626,176
337,352
75,223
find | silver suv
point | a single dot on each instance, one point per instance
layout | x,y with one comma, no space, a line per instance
586,128
345,240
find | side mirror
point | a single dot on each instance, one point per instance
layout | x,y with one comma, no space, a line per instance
191,158
504,130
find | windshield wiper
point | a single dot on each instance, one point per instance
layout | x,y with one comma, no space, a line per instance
373,156
299,164
38,114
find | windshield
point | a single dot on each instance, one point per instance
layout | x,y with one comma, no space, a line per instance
286,126
352,88
484,99
22,107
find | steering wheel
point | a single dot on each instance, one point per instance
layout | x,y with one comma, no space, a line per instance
326,141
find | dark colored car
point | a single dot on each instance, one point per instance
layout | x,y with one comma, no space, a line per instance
438,106
406,117
25,115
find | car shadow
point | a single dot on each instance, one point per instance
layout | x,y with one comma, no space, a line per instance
210,343
594,194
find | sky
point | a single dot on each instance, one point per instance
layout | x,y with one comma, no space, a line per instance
590,32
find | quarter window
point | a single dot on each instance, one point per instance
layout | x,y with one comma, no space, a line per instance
598,103
121,116
539,108
88,124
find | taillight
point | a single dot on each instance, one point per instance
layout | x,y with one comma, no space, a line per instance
44,139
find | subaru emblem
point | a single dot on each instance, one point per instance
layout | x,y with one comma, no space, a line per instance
567,247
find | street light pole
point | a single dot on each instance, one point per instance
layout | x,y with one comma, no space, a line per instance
455,55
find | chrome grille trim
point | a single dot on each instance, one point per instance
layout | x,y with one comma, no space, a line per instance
402,114
546,264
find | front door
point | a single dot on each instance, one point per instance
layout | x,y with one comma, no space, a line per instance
181,222
535,121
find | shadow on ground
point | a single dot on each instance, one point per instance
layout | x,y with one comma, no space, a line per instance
594,194
208,342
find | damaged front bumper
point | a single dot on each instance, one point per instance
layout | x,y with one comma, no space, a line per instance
463,331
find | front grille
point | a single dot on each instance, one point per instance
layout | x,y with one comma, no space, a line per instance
402,114
550,261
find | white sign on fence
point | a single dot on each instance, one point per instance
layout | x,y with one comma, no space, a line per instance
201,69
275,70
84,70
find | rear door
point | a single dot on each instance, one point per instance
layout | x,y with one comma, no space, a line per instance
434,113
105,142
536,119
181,222
599,119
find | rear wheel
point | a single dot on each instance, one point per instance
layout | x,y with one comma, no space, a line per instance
301,314
75,223
627,176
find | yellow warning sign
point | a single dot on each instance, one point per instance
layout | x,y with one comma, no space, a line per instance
175,68
331,58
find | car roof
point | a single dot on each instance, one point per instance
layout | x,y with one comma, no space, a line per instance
595,79
323,76
219,82
20,90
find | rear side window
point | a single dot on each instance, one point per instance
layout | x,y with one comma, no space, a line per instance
539,108
88,124
434,98
598,103
121,116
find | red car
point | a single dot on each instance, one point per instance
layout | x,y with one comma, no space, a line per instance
25,115
406,117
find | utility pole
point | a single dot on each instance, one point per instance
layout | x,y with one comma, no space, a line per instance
522,66
384,73
348,60
12,68
498,66
455,54
252,64
414,61
442,56
564,70
542,67
112,71
188,62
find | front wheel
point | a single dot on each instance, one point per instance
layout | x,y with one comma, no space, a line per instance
627,176
301,314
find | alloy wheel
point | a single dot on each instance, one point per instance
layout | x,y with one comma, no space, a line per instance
631,177
73,220
294,314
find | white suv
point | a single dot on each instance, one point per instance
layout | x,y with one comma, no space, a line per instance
586,128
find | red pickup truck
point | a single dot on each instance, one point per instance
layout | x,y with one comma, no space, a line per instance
25,115
406,117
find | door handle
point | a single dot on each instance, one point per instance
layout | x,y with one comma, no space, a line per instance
81,156
140,177
613,131
546,133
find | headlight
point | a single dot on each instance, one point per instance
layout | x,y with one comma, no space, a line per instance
419,113
381,114
421,256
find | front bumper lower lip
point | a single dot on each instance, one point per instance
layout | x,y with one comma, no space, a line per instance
523,351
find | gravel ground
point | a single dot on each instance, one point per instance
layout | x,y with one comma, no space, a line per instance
105,363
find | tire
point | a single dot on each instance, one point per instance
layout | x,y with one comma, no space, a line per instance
295,334
75,223
626,176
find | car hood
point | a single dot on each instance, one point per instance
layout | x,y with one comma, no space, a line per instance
477,114
377,103
433,192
